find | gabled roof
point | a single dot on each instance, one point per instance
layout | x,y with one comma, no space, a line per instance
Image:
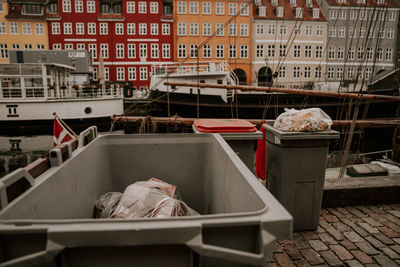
368,3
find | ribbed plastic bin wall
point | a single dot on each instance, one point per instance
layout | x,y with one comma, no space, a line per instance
52,223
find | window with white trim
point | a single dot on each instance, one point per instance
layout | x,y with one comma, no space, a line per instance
119,28
318,51
166,50
333,13
92,48
392,16
307,51
56,46
26,28
142,28
353,15
220,51
307,72
3,51
282,50
130,7
271,51
143,50
379,53
106,74
232,29
28,46
194,29
132,73
319,31
78,6
232,9
368,73
193,51
39,28
350,73
360,52
282,29
352,32
3,28
220,30
260,29
331,52
370,53
232,51
131,50
220,8
131,28
318,72
342,14
206,29
80,46
154,50
339,73
142,7
340,52
282,72
332,31
120,50
143,73
271,29
360,73
381,34
244,9
120,73
14,28
351,53
104,50
154,28
308,30
66,5
296,51
103,28
181,7
165,29
154,7
244,29
331,73
40,46
1,7
194,7
296,72
244,51
207,8
91,28
390,33
68,46
67,28
207,51
388,54
181,50
342,32
80,28
91,6
297,29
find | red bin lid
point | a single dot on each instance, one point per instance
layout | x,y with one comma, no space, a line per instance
224,126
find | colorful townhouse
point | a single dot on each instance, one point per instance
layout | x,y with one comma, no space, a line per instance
130,35
23,26
195,23
289,44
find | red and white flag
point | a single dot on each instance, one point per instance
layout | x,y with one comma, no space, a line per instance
60,133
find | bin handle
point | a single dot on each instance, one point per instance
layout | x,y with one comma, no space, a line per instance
37,258
8,180
267,240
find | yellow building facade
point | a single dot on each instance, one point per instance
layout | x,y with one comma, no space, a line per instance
22,27
222,30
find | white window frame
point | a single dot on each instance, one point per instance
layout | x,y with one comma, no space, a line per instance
181,28
103,28
92,28
55,28
26,28
130,7
166,29
120,51
120,73
219,51
194,7
78,6
206,8
132,73
131,28
154,50
244,29
207,29
142,7
104,50
153,7
14,28
143,74
119,28
194,29
91,6
219,8
131,50
244,51
66,6
142,28
166,50
233,7
181,8
80,28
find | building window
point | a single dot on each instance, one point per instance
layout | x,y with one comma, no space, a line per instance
3,51
332,31
142,28
220,30
296,51
104,28
319,31
307,72
166,51
244,29
282,72
350,73
66,4
232,29
342,32
352,32
91,6
340,52
360,53
106,74
220,51
318,51
78,6
282,29
260,29
362,32
68,46
194,7
119,28
153,7
296,72
131,50
307,51
3,29
318,72
40,46
260,51
339,73
28,46
143,51
31,9
181,7
207,51
342,14
39,28
333,13
80,46
331,52
388,54
143,73
154,51
330,74
120,50
244,51
308,30
154,28
132,73
282,50
91,28
67,28
297,29
206,29
207,8
26,28
131,28
271,28
194,29
142,8
181,51
220,8
181,28
165,29
104,50
379,53
351,53
1,7
390,33
353,15
368,73
80,29
232,9
56,46
93,50
370,53
120,74
271,51
381,34
244,9
130,7
232,51
360,73
14,28
392,16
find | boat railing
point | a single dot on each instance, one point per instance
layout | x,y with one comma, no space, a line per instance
190,68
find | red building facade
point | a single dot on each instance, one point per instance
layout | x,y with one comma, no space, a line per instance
130,35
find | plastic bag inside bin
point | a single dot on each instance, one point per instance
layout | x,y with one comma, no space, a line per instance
106,204
305,120
151,199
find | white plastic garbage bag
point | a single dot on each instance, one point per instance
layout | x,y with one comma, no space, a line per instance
305,120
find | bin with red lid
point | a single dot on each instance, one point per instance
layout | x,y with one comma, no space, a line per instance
240,134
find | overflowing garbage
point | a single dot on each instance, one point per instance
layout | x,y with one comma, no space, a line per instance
146,199
305,120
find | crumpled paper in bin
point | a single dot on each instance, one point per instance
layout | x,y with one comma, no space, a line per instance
151,199
305,120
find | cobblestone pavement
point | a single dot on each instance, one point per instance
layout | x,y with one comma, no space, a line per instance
350,236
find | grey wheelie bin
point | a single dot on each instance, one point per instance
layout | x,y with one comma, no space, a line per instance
241,135
295,172
52,224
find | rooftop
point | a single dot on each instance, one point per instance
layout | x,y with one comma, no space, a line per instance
363,3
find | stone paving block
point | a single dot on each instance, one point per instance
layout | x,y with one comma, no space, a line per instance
391,218
331,230
317,245
347,244
368,228
327,239
367,248
341,226
396,248
392,226
308,235
365,209
384,239
356,212
371,221
355,227
283,260
383,260
342,211
388,232
353,263
375,242
335,212
353,236
362,257
390,253
293,252
331,258
341,252
395,213
330,218
302,263
397,240
320,230
377,217
312,257
376,209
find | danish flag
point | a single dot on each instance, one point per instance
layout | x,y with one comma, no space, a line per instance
60,133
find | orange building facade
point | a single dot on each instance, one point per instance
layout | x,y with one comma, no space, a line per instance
215,31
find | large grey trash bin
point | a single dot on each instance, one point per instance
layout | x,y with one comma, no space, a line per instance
243,143
295,172
52,223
